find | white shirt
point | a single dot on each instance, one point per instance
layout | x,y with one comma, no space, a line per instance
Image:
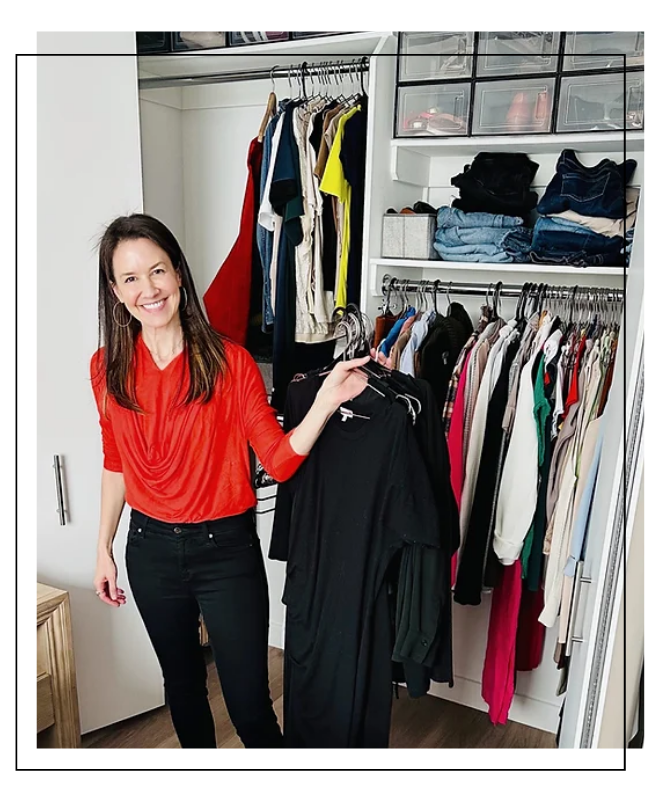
478,429
266,214
516,502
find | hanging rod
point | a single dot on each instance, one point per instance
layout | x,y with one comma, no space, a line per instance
507,290
330,68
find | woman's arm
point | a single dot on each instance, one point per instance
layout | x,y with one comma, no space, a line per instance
342,384
112,503
282,454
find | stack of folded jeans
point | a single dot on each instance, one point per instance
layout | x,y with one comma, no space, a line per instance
497,183
480,236
587,213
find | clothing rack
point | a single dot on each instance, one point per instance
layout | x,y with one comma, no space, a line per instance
325,69
505,290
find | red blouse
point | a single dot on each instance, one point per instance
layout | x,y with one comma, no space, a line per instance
190,463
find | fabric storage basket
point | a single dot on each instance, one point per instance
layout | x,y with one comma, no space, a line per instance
408,236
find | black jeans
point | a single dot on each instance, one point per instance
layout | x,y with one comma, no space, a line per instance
215,568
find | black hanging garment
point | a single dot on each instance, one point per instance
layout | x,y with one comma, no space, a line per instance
432,444
362,496
441,347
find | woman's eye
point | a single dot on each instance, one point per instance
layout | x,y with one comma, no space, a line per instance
158,271
128,280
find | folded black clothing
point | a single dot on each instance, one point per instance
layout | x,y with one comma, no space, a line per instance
498,183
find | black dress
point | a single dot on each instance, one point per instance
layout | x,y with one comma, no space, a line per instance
362,495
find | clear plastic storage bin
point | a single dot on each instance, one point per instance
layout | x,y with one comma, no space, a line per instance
430,56
257,37
596,102
517,106
433,110
198,40
604,50
514,53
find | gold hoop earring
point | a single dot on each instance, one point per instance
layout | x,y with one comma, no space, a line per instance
119,324
186,298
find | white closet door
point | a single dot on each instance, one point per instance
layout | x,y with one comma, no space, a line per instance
601,589
88,172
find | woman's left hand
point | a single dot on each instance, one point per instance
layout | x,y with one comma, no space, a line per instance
343,383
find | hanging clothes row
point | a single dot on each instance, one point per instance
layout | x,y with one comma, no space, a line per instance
298,254
522,416
367,527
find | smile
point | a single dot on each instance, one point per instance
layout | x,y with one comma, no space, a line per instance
157,306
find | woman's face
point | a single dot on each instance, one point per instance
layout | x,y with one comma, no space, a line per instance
146,282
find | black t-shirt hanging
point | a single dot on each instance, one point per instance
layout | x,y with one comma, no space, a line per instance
441,347
353,159
286,198
361,496
432,443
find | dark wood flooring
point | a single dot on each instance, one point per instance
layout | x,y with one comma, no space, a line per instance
426,724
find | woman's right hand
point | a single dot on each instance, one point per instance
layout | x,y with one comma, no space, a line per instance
105,581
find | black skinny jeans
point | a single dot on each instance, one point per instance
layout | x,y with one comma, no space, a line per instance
215,568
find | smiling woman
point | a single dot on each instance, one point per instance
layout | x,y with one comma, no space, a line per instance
179,406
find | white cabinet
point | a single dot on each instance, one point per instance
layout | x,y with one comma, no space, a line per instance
88,150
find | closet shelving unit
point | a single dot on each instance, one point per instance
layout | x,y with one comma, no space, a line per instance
422,163
195,133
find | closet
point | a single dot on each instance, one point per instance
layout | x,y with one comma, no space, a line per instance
186,122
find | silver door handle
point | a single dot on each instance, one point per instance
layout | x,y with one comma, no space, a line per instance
59,489
575,603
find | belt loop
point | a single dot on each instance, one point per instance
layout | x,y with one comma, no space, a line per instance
205,528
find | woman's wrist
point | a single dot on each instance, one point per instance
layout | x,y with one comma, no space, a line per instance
323,404
105,549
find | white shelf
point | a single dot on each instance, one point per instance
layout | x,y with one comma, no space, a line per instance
476,266
594,142
265,55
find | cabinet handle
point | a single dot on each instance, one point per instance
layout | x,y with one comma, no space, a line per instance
575,603
59,490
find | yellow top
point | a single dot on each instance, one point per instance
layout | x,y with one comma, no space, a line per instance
334,182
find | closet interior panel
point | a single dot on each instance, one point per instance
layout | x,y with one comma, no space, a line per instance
216,136
162,158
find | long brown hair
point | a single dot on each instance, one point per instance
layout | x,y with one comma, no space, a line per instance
205,353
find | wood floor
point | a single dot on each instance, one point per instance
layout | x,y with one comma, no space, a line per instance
427,722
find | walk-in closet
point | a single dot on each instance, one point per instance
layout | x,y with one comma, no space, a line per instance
169,133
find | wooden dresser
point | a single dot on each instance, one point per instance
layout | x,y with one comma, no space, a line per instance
58,723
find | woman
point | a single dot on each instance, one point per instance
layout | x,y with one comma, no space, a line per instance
179,407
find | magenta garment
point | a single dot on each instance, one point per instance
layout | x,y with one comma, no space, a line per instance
498,681
455,445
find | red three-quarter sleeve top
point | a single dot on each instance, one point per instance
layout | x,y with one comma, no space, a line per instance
190,463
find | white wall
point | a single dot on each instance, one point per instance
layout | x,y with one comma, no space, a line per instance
78,42
88,162
161,151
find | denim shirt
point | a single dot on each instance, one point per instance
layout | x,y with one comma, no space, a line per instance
584,510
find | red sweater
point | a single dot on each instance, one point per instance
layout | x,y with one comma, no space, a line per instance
190,463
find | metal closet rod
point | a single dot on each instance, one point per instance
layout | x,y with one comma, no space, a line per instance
292,71
507,290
